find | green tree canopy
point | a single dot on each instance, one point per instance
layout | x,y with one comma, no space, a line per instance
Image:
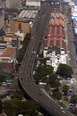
74,98
43,71
43,60
64,70
1,106
65,89
24,47
57,95
53,80
17,95
15,107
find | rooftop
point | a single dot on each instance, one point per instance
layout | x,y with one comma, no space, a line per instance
8,52
33,0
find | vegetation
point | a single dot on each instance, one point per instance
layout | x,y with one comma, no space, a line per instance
1,106
15,107
74,98
65,89
66,98
23,49
47,87
16,67
2,33
61,104
57,95
17,95
43,60
74,111
42,72
53,80
64,70
2,78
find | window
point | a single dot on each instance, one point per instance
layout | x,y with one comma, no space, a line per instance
20,26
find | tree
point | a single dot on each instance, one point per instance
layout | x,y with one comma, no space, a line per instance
1,106
57,95
15,107
43,71
47,87
16,67
64,70
74,111
17,95
43,61
2,78
74,98
65,89
44,79
23,49
53,80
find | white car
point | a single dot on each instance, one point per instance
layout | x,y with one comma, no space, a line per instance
61,108
63,111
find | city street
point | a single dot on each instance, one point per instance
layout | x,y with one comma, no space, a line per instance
28,65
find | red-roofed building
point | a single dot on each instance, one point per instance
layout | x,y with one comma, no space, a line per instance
9,53
54,46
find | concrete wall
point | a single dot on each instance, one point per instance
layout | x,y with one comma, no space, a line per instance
1,21
33,3
13,4
6,69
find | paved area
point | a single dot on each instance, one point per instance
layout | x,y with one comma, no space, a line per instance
14,84
3,89
71,52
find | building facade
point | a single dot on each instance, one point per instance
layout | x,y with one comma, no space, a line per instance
1,20
13,4
7,62
56,56
20,25
36,3
3,46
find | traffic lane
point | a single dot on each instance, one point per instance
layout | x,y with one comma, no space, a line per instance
35,90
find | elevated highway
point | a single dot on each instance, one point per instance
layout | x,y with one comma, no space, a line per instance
27,67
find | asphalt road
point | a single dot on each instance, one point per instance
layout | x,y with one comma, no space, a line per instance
26,70
71,46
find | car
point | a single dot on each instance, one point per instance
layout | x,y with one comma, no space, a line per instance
32,37
27,84
61,108
34,52
63,111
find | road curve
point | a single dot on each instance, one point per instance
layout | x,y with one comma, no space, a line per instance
26,69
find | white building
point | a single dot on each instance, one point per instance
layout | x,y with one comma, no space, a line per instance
33,3
67,0
56,56
13,4
1,21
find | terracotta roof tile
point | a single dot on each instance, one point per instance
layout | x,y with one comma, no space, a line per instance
8,52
